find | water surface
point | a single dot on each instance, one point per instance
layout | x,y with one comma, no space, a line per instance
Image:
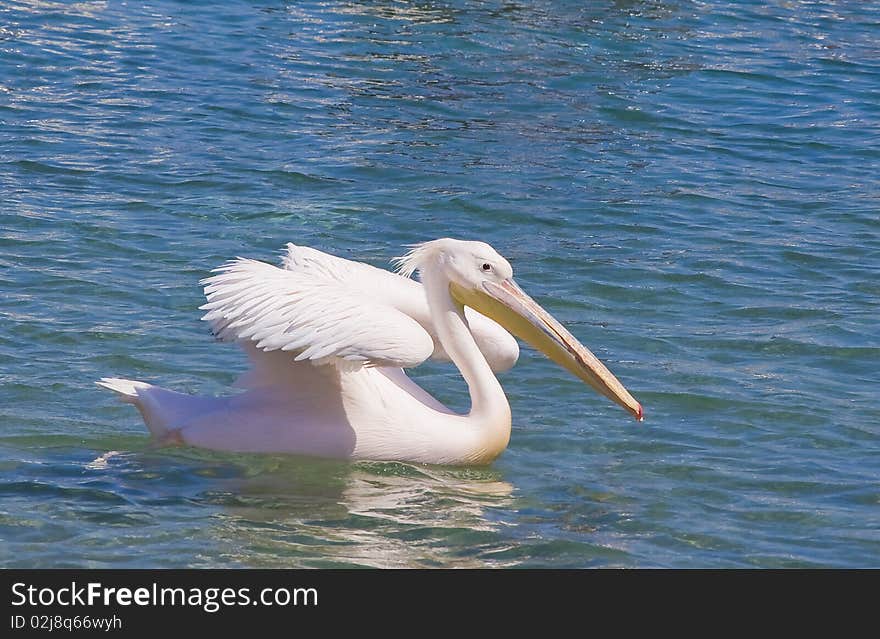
691,187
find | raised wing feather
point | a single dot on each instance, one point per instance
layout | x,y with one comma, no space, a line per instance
314,318
401,293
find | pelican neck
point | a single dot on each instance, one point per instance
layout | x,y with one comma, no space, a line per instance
487,397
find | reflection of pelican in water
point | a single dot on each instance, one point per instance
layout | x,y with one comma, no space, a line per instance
329,339
403,499
284,511
370,514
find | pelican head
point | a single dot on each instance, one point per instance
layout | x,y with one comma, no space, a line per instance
481,278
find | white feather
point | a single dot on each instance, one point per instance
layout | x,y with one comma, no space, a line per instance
399,292
313,318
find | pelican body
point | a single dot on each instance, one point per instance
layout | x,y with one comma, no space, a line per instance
329,341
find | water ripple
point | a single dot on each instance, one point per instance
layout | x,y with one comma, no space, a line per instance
692,188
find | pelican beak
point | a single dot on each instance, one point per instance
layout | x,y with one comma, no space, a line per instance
508,304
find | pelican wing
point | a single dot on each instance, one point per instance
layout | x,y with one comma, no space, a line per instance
314,318
401,293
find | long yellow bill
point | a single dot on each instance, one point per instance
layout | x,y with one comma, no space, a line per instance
508,304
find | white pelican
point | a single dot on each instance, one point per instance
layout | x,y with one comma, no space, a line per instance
328,340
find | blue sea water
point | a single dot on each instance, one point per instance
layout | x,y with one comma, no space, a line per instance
691,187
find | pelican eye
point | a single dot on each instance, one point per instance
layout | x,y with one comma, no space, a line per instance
487,267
